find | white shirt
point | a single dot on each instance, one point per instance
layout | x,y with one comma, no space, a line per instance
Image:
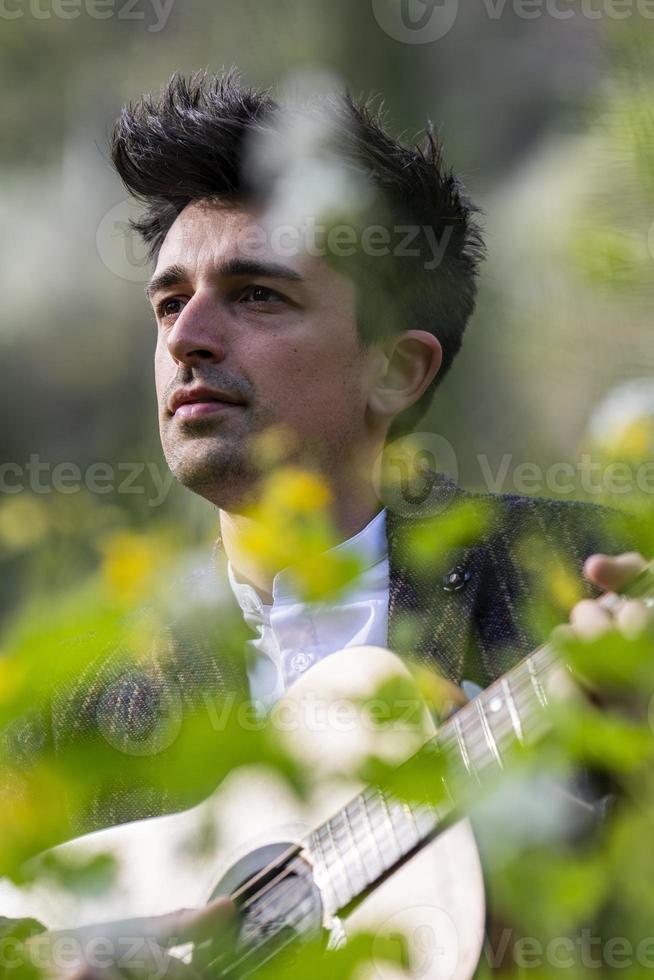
292,634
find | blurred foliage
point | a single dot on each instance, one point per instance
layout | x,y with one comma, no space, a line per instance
288,528
568,186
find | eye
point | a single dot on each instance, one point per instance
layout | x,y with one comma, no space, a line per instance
169,307
260,294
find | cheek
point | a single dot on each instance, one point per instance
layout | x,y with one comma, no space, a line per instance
321,384
164,369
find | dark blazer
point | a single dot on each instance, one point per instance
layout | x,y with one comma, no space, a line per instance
479,604
470,611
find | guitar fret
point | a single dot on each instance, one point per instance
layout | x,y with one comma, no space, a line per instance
322,870
427,819
536,684
513,710
388,822
488,735
364,879
463,749
388,842
379,844
369,835
339,857
333,865
410,815
403,826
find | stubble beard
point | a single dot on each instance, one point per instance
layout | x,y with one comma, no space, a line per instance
215,466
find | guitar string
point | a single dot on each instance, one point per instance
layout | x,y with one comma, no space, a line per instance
523,678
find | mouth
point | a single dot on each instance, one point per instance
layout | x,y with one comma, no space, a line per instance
192,403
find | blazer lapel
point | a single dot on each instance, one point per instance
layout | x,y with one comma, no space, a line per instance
431,604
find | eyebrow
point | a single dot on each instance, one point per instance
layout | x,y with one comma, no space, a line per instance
175,275
172,276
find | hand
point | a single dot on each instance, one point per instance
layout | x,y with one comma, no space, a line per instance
592,618
138,948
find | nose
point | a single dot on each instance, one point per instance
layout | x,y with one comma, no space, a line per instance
197,333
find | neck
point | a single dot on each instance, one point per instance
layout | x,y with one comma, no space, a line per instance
349,513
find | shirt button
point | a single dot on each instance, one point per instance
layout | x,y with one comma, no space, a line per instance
301,662
456,578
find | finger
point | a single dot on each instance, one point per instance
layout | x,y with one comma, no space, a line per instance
443,697
172,929
153,962
194,925
613,572
448,697
633,618
589,620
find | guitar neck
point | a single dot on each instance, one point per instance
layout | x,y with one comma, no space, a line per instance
375,834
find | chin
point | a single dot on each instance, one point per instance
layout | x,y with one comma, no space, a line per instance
224,478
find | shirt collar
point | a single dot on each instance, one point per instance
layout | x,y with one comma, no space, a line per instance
369,545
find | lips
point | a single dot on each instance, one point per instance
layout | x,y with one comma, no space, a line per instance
193,402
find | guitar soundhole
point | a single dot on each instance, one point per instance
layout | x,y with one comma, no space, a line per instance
278,902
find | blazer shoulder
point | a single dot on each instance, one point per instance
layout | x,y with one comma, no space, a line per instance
580,524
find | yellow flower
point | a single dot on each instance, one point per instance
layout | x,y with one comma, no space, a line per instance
297,491
564,588
633,441
129,565
24,522
290,529
12,677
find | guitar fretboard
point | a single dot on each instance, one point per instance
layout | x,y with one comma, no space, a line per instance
376,833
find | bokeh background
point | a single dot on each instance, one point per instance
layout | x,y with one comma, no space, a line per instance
546,112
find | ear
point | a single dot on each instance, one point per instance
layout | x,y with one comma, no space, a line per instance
411,362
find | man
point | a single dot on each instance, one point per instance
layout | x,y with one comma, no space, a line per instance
339,349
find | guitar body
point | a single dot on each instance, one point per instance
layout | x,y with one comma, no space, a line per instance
435,901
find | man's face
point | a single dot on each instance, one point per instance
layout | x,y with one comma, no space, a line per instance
272,341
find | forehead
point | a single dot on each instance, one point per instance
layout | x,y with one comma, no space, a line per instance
211,233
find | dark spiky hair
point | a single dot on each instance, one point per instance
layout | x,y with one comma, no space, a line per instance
193,142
